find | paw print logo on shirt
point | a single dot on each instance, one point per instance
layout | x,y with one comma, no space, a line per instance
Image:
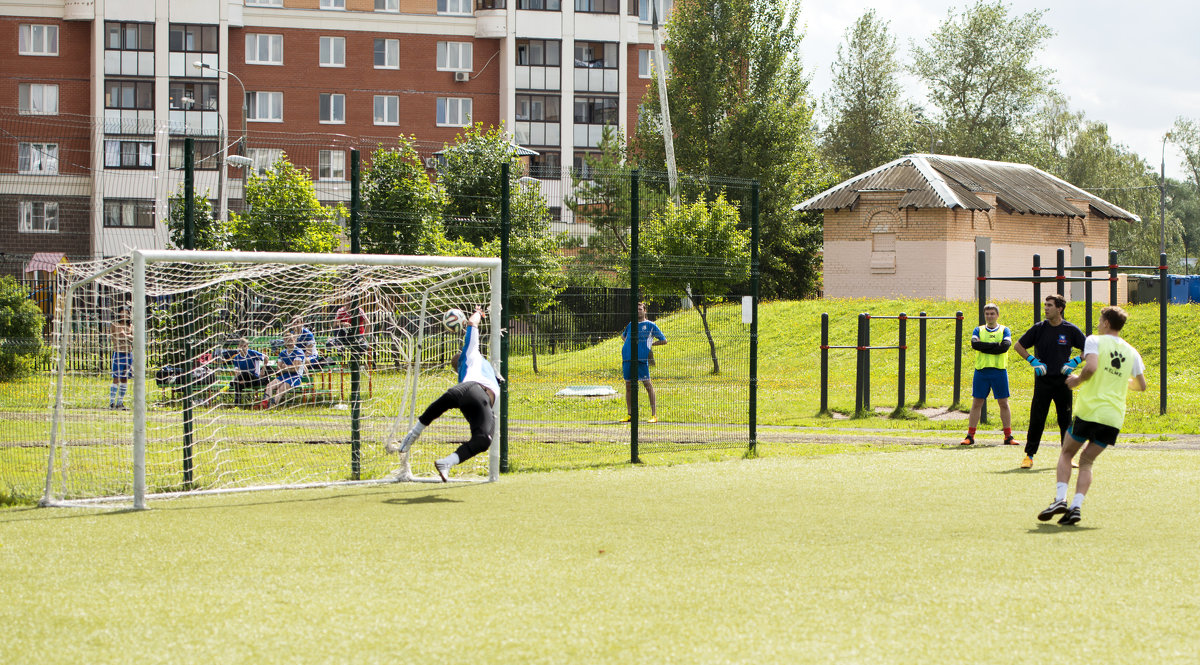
1116,359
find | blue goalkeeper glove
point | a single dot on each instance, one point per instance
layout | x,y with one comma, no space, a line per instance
1039,367
1071,365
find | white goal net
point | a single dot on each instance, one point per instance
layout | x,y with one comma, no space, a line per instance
183,372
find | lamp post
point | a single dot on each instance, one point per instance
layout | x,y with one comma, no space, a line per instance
221,165
930,130
1162,198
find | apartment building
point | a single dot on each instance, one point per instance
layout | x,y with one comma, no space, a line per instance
98,96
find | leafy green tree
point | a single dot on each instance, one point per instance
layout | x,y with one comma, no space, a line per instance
740,108
1186,135
21,323
697,246
208,233
979,68
471,179
402,208
1183,203
284,215
870,123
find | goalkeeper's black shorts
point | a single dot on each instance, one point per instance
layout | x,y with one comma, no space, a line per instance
476,406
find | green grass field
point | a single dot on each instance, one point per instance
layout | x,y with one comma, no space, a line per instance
809,554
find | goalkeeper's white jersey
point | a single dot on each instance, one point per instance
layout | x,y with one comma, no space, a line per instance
472,366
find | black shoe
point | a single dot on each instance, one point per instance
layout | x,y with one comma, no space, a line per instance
1056,508
1072,517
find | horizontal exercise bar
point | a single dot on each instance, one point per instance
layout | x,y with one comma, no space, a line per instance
1043,280
827,346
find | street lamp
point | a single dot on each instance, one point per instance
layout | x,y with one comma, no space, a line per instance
929,128
221,165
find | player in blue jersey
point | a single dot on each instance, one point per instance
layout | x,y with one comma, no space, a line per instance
475,396
649,336
122,359
290,371
248,366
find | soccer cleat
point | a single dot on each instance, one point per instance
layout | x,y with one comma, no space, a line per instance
653,419
442,470
968,440
1072,516
1056,508
627,418
1009,441
1027,463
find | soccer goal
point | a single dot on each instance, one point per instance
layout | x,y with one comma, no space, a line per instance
179,372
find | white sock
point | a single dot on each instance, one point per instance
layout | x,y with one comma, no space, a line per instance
449,460
1078,502
1060,492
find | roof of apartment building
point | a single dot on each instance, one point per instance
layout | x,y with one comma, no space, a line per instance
945,181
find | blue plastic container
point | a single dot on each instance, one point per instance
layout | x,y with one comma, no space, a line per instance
1194,289
1177,288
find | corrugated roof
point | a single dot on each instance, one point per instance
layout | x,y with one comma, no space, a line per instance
944,181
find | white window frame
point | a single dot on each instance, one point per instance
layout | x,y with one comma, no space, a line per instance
452,55
387,109
337,108
391,54
37,158
455,7
46,95
332,52
333,4
388,5
263,158
454,111
127,210
29,39
261,106
264,3
646,61
49,210
274,48
331,165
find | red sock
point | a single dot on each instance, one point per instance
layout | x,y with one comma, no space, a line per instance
1008,432
970,431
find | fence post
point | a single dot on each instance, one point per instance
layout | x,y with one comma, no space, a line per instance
499,327
1060,272
858,368
867,361
958,332
355,322
754,278
1037,288
1112,278
824,364
634,347
189,242
1087,295
902,342
921,361
981,269
1162,334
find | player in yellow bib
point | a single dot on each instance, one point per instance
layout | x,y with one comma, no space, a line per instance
991,342
1111,368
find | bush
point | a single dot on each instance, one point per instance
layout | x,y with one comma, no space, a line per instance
20,331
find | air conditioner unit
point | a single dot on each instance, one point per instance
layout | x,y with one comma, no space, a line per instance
431,162
462,77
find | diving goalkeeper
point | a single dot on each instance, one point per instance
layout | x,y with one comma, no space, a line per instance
474,396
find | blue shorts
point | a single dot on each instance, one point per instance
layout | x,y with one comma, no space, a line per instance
122,365
291,379
643,370
990,379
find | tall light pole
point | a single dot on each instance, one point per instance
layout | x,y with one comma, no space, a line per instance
930,130
1162,198
221,157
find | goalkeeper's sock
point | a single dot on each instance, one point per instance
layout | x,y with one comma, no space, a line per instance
112,395
121,394
1078,501
449,461
1060,492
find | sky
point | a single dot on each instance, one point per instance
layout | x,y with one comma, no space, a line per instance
1134,64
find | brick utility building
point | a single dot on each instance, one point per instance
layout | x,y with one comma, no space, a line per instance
912,227
97,96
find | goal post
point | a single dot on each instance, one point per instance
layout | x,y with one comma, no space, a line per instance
197,424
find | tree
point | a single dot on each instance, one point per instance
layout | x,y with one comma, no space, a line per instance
870,124
21,324
284,215
208,232
697,246
1186,135
979,68
471,178
740,107
402,208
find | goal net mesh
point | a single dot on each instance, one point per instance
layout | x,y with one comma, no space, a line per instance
206,425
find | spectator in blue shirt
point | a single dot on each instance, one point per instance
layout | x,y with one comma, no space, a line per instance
648,337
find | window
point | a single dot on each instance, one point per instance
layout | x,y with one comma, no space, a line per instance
550,5
454,6
264,106
453,111
489,4
37,99
264,3
387,5
184,38
596,110
584,163
646,62
387,54
130,213
333,51
128,154
596,55
331,165
641,9
538,52
205,158
38,217
333,107
538,108
38,40
333,4
454,56
264,159
598,6
387,110
37,158
193,96
128,36
129,94
264,49
545,165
